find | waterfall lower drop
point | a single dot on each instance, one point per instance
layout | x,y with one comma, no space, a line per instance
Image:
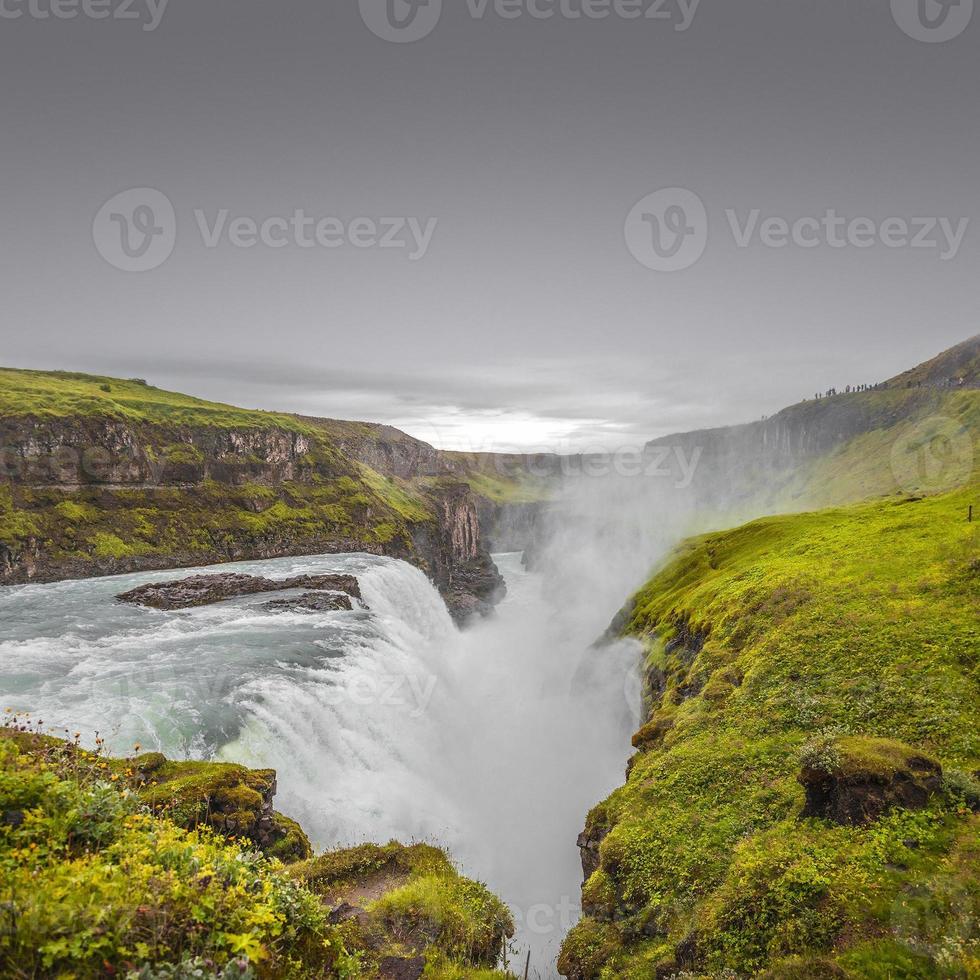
486,742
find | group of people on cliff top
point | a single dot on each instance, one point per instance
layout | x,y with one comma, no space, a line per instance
854,389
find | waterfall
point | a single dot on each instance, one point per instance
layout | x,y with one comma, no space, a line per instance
382,722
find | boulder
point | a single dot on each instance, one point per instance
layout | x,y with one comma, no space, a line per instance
854,780
230,799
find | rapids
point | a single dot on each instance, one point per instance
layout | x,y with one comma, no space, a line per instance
383,722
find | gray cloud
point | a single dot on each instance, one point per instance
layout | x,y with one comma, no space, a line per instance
529,141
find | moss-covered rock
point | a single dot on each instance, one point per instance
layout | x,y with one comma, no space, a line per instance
409,901
231,799
289,840
587,949
855,780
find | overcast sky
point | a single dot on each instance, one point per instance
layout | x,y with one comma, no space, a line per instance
524,320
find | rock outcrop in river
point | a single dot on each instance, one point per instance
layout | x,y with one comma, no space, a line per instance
204,590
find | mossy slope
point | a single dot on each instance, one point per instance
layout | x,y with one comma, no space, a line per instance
101,876
847,639
919,432
400,901
67,394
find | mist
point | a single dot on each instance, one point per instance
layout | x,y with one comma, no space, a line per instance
388,722
541,702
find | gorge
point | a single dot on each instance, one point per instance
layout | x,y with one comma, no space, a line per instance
389,721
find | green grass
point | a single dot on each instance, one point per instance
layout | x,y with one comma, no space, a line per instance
425,903
887,459
119,867
50,395
762,643
500,489
402,496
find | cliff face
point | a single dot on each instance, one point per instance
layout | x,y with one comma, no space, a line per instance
386,450
90,494
104,452
510,526
811,452
819,453
460,564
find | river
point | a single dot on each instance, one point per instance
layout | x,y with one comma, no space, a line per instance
385,722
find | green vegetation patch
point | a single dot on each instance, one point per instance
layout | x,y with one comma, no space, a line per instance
65,394
116,867
94,886
17,526
521,488
845,641
412,899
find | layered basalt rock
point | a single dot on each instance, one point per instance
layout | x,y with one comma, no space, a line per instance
84,451
460,565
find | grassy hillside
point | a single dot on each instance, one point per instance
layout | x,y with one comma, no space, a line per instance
185,481
142,868
64,394
919,432
922,441
839,646
958,365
